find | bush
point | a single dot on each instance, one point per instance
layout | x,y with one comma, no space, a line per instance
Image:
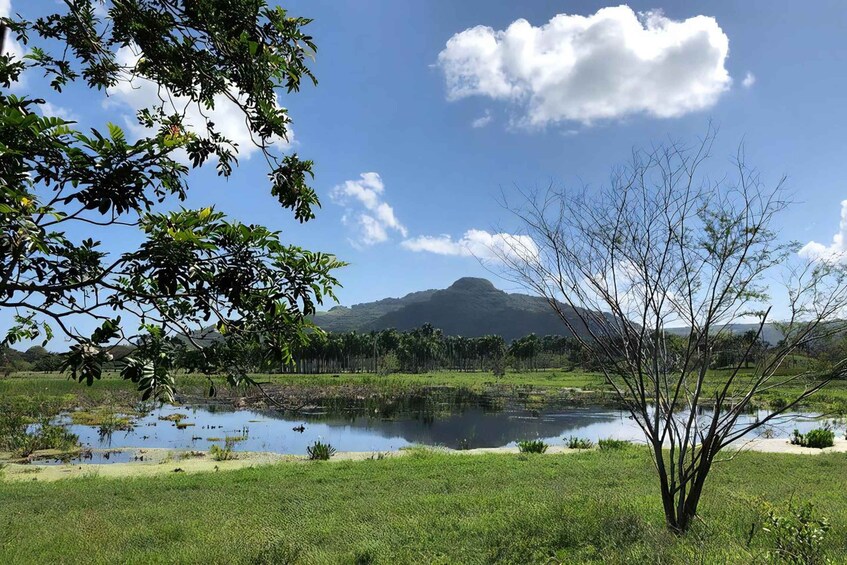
798,537
574,442
817,438
613,444
320,451
532,446
17,436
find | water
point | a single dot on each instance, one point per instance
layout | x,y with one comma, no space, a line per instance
469,423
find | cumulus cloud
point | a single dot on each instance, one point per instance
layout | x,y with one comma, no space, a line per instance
482,121
366,211
585,68
835,251
749,80
476,243
140,93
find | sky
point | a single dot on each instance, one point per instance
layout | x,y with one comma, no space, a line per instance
426,112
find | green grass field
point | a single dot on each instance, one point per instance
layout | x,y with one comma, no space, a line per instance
32,389
425,508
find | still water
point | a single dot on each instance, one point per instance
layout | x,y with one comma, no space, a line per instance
469,424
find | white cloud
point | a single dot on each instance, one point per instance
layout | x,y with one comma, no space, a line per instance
482,121
140,93
10,45
54,111
835,251
366,211
749,80
604,66
476,243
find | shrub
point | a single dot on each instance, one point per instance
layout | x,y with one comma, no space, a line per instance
610,444
532,446
574,442
798,537
320,451
18,437
817,438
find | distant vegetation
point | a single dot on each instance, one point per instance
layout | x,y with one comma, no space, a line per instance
426,349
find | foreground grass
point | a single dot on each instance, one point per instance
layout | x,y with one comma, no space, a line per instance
425,508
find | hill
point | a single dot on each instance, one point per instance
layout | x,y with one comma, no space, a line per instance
470,307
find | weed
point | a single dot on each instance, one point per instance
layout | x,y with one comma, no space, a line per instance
798,537
574,442
224,453
320,451
610,444
532,446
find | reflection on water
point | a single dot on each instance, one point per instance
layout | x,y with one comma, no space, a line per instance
455,419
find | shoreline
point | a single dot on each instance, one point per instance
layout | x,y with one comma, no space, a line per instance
163,461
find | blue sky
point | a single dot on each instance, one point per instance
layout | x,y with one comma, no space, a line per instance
384,105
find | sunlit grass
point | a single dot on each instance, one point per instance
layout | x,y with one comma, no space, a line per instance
425,508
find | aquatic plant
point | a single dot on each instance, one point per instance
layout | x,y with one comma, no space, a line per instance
111,423
320,451
176,417
532,446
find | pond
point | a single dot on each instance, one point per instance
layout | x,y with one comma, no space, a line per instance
470,423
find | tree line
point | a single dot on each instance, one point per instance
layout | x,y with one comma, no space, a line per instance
387,351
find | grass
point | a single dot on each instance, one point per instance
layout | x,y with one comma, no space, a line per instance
423,508
40,392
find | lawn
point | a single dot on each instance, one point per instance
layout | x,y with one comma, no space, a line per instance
424,508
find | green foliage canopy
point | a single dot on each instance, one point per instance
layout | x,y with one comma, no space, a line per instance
195,268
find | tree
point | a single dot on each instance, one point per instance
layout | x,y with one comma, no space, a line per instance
195,268
664,245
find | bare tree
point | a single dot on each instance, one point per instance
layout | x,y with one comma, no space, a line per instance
665,245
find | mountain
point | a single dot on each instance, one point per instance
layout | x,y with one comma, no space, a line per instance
469,307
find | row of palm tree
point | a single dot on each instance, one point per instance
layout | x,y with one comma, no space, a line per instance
423,349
